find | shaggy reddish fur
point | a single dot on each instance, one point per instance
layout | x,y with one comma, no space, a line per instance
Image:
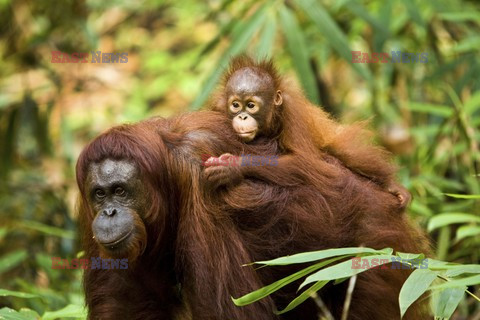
197,241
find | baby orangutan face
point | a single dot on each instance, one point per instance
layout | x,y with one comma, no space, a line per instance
251,101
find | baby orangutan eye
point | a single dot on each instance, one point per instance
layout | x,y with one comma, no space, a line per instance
252,107
235,106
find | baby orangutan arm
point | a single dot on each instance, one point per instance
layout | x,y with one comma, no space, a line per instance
228,170
222,171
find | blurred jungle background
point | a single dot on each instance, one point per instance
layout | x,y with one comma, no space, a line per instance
426,113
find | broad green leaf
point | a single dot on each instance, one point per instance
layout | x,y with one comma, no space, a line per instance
410,256
70,311
240,40
50,230
297,46
438,110
231,25
267,290
322,254
23,314
12,259
9,293
416,284
446,219
359,10
30,314
457,270
471,43
443,242
384,17
414,13
441,265
303,296
472,104
460,16
446,301
266,40
463,196
467,231
345,269
330,30
454,283
420,208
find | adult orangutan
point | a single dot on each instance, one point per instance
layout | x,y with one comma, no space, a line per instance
263,107
143,197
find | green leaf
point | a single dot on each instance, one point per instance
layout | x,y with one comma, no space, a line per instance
416,284
70,311
463,196
12,259
241,38
321,254
471,43
414,13
267,290
303,296
330,30
438,110
225,29
445,219
460,16
472,104
50,230
440,265
345,269
8,293
410,256
467,231
297,46
267,37
457,270
359,10
23,314
455,283
446,301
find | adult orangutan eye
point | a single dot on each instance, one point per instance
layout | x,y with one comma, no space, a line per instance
119,191
100,194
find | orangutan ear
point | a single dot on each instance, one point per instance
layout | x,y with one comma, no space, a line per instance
278,100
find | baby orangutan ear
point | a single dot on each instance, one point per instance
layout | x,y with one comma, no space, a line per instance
278,100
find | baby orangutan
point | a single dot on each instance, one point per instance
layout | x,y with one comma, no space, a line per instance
264,109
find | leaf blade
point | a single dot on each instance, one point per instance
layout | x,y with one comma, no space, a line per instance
417,283
297,47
